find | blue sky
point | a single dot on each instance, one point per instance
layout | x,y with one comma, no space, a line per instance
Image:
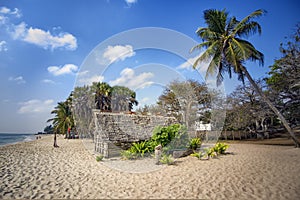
45,48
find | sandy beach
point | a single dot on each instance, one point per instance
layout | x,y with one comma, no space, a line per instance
37,170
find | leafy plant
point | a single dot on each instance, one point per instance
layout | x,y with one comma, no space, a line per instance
198,155
99,158
210,152
128,155
164,135
167,159
220,148
140,148
195,143
161,135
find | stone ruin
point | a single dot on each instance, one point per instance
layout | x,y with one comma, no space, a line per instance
114,130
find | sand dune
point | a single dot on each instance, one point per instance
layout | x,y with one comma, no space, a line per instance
37,170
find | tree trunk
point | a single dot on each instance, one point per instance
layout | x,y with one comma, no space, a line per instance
55,141
275,110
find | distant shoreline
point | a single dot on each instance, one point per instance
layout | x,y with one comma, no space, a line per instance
15,138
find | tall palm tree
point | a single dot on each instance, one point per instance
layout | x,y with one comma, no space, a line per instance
228,51
102,96
123,99
63,119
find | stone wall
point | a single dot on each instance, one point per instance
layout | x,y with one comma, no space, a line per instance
112,128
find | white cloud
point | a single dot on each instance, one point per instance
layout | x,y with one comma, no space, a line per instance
18,79
36,106
66,69
144,100
3,46
130,1
118,52
91,80
2,19
4,10
187,64
202,67
83,73
132,81
7,11
48,81
43,38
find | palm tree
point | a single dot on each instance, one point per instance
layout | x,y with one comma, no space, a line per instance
63,119
102,96
228,51
123,99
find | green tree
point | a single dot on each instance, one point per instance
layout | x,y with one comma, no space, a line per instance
63,119
48,129
284,79
247,111
227,51
123,99
102,95
186,101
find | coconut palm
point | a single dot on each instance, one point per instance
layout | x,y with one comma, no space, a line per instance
102,95
63,119
123,99
227,51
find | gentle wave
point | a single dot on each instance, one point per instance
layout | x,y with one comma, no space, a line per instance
13,138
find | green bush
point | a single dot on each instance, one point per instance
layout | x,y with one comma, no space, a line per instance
167,159
128,155
140,148
161,135
195,143
220,148
99,158
210,152
198,155
164,135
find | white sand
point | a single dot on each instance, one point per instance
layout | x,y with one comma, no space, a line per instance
37,170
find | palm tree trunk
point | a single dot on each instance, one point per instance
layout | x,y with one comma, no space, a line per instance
55,141
275,110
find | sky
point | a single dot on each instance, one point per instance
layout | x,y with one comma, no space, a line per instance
49,47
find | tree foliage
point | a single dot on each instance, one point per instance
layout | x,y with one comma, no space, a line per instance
284,79
227,51
186,101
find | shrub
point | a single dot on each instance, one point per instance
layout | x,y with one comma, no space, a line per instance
139,148
128,155
220,148
167,159
164,135
198,155
161,135
99,158
210,152
195,143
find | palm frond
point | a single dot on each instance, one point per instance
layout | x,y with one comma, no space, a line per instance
249,29
200,46
205,56
216,20
250,52
244,21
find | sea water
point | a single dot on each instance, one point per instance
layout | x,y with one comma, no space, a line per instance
12,138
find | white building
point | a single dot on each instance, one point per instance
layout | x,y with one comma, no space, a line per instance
199,126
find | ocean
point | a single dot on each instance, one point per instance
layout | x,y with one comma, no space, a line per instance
12,138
